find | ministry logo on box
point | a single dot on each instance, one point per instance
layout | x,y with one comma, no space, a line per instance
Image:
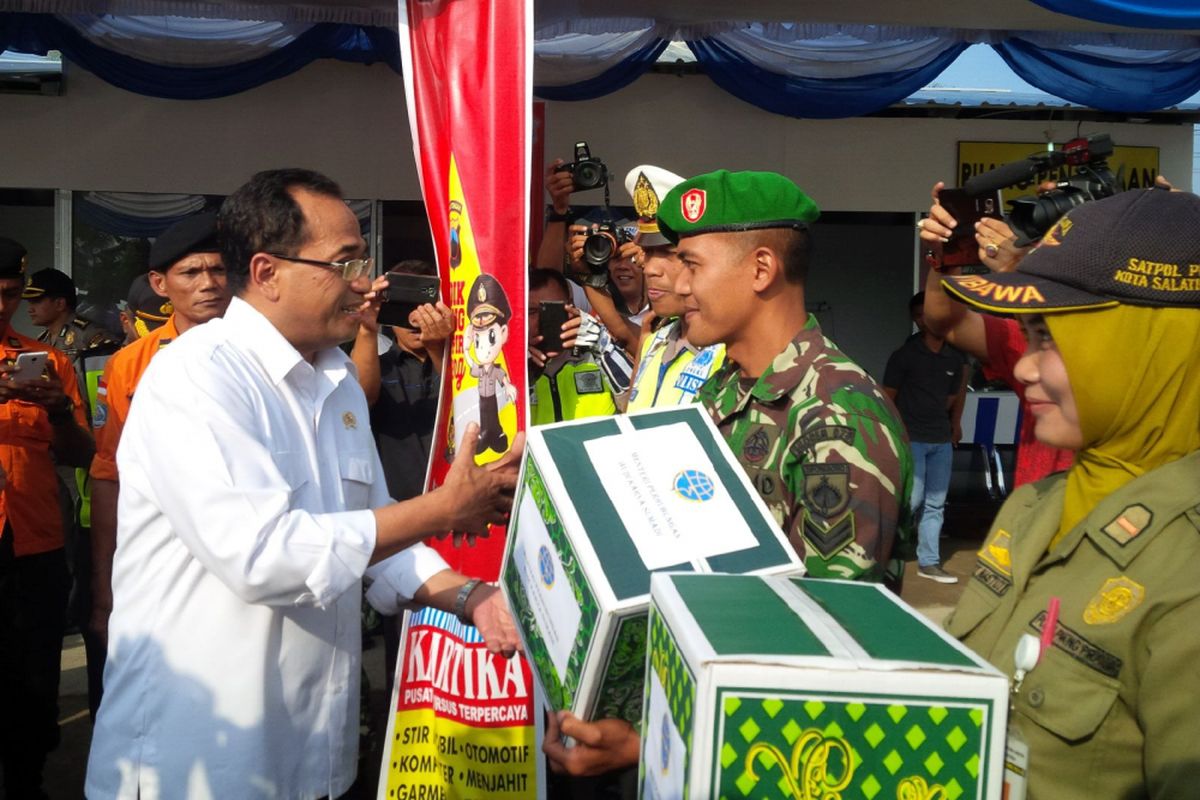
546,566
692,484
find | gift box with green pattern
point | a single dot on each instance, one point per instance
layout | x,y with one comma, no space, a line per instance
776,687
575,571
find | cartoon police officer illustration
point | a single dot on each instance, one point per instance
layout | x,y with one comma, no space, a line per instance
488,311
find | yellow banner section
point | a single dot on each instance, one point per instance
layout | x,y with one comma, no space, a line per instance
435,758
483,392
1134,166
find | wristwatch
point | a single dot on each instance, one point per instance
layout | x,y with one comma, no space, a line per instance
460,602
554,216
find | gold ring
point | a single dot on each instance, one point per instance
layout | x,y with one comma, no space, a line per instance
921,224
991,250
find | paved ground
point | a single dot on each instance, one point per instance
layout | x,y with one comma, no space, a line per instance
65,771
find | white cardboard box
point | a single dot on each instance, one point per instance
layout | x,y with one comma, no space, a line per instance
798,688
603,503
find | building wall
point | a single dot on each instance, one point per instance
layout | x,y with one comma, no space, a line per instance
349,121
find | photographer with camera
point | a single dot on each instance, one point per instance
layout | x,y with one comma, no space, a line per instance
576,371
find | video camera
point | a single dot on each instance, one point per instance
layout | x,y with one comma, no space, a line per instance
603,242
1033,215
586,172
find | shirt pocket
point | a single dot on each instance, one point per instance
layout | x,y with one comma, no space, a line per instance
357,470
1068,699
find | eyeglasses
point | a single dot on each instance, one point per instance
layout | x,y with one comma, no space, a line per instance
351,270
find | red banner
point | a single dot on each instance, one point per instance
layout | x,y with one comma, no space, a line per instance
468,79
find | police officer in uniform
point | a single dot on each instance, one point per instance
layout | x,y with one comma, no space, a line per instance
670,368
1110,304
51,299
823,446
488,312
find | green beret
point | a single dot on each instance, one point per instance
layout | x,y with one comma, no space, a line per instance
734,201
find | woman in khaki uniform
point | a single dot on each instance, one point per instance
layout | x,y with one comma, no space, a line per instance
1110,304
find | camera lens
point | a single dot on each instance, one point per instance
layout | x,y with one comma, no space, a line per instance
598,249
589,175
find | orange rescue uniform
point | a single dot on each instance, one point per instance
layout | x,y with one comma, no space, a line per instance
29,503
121,376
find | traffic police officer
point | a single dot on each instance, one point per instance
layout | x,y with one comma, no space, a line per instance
1110,303
41,424
51,299
670,368
823,446
488,312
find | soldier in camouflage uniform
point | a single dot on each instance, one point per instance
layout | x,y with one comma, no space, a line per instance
63,328
823,446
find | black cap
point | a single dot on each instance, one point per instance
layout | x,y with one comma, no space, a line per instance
487,302
1140,247
12,259
147,304
49,283
194,234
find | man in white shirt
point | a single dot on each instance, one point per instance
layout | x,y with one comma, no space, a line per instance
252,502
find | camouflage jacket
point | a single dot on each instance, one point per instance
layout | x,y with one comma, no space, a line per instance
826,451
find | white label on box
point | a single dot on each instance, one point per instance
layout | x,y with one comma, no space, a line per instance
550,595
663,754
667,494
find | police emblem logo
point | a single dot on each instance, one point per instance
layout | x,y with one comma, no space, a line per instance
645,199
692,484
546,566
69,339
1116,598
588,383
166,309
481,295
693,204
757,446
349,420
996,552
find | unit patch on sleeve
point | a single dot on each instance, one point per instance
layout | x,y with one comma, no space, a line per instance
828,522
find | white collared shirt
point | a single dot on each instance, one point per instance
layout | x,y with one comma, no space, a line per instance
247,479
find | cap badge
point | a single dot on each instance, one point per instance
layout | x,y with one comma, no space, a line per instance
482,293
645,199
349,420
693,204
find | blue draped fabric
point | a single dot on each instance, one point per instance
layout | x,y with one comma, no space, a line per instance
39,33
813,98
609,81
1168,14
1101,83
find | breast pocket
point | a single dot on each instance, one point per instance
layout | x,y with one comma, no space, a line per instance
357,469
1068,699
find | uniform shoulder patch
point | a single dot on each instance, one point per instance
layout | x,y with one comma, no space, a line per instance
825,433
757,446
995,552
1116,598
828,540
1128,524
826,489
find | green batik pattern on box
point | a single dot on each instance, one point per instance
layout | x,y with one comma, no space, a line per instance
677,681
560,694
620,695
788,745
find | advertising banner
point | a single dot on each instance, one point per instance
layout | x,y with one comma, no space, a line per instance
465,723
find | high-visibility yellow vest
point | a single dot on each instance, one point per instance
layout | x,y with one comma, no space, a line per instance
90,365
660,383
575,391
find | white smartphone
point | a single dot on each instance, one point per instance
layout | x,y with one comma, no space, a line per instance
29,367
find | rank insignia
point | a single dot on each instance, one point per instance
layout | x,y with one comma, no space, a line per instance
1128,524
995,552
757,446
1116,598
349,420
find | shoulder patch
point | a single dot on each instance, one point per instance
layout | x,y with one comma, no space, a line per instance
1116,598
757,446
825,433
1128,524
828,540
995,552
826,489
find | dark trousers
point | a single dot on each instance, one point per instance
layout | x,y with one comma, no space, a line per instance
33,610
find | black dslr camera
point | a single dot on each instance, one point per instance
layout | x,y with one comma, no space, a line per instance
586,172
1033,215
602,244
